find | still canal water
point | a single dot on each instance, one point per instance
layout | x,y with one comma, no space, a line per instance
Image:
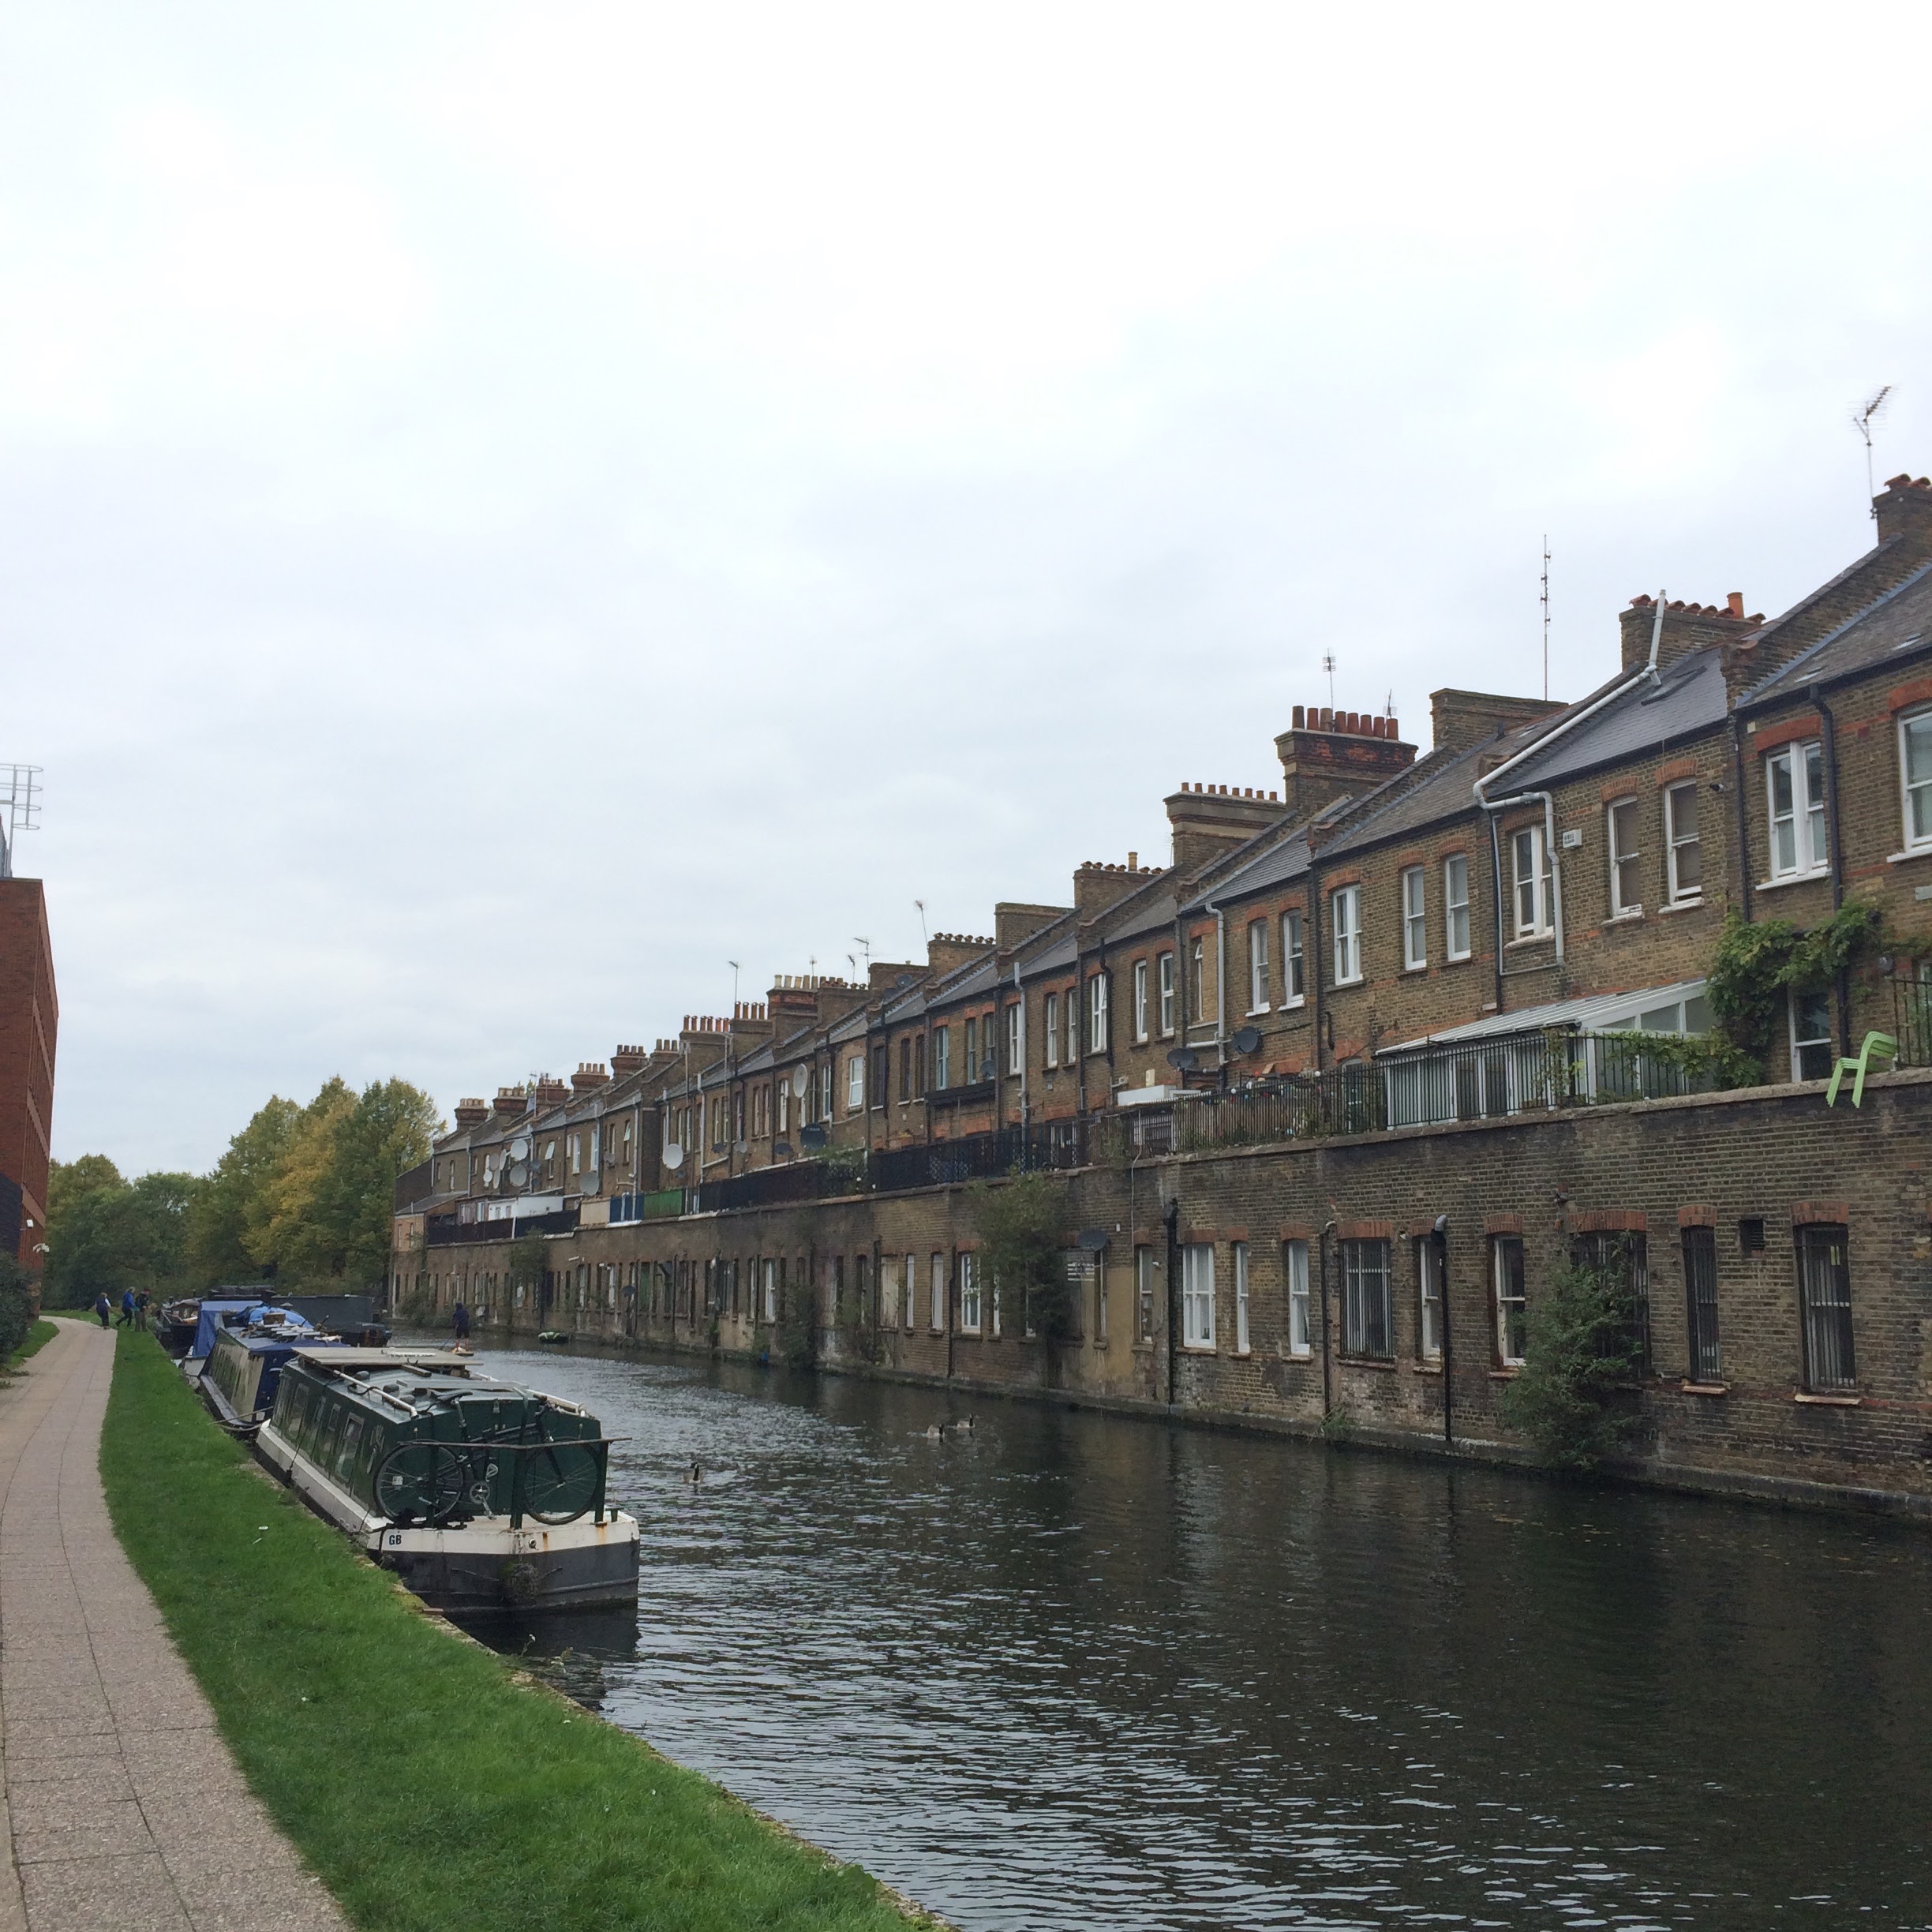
1080,1670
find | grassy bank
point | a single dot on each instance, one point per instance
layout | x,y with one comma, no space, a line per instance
429,1787
39,1334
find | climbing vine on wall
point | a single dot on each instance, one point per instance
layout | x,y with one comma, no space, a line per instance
1756,966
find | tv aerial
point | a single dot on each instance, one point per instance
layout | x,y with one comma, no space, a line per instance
20,804
1861,420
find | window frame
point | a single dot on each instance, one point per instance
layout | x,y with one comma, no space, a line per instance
1794,999
1804,756
970,1311
1345,934
1509,1267
1140,1002
1676,843
937,1279
1197,975
1197,1296
1455,869
1295,1287
1414,918
1294,960
1908,722
1049,1026
1429,1299
1099,1011
942,1057
855,1084
1015,1038
1237,1252
1259,986
1143,1293
1164,993
1530,837
1620,861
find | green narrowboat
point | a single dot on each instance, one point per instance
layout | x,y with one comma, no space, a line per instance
480,1495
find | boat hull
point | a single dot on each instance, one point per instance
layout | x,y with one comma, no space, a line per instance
485,1566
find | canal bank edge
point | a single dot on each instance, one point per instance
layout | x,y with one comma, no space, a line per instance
1744,1180
453,1804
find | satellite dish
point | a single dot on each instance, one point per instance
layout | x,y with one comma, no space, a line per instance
801,1078
986,1067
519,1148
1185,1057
517,1173
813,1135
673,1157
781,1150
1247,1039
1093,1240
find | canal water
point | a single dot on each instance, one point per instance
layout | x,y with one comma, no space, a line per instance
1079,1671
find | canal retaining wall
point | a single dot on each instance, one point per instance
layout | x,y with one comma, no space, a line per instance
1786,1247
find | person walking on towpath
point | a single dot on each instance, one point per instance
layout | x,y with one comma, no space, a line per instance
102,1309
141,1310
127,1309
459,1320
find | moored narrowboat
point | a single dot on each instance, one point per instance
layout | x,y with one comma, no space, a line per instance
480,1494
239,1380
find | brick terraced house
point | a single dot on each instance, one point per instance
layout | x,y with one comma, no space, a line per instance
1331,1093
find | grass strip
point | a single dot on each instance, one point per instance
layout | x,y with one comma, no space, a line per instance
429,1784
39,1334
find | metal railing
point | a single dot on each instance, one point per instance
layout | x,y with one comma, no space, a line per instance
1492,1078
447,1231
980,1157
1911,1020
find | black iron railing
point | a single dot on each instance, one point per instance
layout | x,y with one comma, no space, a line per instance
446,1231
1911,1020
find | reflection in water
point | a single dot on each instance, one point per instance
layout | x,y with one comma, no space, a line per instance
1071,1671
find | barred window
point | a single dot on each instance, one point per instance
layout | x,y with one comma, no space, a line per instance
1366,1327
1825,1299
1700,1261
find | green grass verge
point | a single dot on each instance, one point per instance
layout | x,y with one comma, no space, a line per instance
39,1334
430,1785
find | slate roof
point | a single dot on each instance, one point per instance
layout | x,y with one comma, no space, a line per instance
1893,627
1688,698
1439,789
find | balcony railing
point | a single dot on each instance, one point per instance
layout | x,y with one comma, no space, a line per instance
1496,1077
1911,1020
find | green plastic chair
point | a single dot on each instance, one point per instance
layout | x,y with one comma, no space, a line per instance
1874,1043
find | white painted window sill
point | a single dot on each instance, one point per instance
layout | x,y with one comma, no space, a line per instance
1628,916
1530,939
1459,959
1681,905
1299,999
1416,966
1358,979
1795,878
1255,1012
1924,851
1828,1401
1199,1348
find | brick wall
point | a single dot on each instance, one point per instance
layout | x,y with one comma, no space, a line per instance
29,1023
1727,1162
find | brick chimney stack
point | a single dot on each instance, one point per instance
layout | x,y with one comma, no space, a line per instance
512,1102
946,952
1687,627
551,1091
1098,885
472,1113
589,1076
1904,509
625,1060
1207,820
1327,754
1459,720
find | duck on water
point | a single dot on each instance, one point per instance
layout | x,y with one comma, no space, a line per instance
480,1494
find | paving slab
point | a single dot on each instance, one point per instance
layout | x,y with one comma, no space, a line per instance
110,1766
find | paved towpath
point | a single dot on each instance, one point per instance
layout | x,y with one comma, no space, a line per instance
122,1809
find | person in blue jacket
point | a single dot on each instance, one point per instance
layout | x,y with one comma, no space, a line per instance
127,1308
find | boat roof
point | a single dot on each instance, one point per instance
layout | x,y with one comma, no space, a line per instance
414,1359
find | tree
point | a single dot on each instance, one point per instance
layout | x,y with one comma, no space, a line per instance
1570,1397
332,1202
1020,1233
117,1234
228,1221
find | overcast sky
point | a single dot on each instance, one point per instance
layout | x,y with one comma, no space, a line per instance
505,511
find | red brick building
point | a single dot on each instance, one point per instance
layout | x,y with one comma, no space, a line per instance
29,1021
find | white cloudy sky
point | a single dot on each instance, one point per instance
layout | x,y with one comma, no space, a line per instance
505,510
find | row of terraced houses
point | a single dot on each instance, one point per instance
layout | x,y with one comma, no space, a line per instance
1331,1092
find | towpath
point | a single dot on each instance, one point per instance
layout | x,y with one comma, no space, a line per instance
122,1809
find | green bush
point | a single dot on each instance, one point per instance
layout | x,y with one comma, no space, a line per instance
15,1306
